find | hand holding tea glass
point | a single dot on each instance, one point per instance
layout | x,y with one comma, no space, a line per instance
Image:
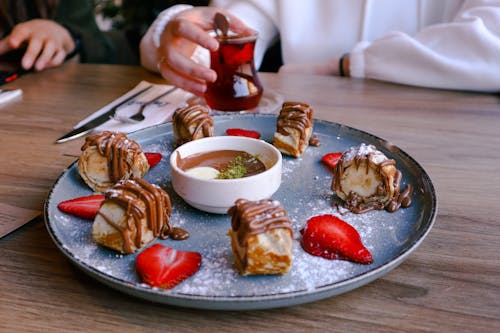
183,33
237,87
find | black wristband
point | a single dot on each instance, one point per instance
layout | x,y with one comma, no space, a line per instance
341,65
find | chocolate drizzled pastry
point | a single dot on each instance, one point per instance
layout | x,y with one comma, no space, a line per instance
133,214
261,237
108,157
191,123
365,179
294,127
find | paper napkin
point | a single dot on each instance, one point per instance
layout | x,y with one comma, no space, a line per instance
9,95
156,113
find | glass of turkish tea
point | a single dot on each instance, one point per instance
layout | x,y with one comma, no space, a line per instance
237,87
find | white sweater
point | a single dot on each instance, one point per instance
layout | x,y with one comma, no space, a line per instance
452,44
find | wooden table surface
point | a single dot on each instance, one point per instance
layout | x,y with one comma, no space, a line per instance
451,283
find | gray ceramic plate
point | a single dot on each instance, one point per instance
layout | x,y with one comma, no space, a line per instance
305,192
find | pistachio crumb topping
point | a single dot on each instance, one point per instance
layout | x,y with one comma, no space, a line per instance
234,169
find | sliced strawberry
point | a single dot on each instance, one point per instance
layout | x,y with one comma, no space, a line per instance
84,207
329,237
331,159
243,132
164,267
153,158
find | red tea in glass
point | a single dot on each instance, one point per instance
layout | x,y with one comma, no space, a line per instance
237,87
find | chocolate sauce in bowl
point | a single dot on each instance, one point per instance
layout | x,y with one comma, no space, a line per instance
222,160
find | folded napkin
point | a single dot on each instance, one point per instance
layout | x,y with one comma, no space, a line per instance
156,113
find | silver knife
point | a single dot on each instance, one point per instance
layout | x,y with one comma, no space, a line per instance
91,124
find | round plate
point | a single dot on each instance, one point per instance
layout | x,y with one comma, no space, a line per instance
305,192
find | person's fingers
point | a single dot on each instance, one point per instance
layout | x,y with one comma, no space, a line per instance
5,46
195,33
58,58
20,34
31,54
177,79
44,60
188,67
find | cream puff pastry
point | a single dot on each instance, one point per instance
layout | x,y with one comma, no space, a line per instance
133,214
261,237
108,157
191,123
365,179
294,128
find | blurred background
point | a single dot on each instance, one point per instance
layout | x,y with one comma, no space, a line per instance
131,19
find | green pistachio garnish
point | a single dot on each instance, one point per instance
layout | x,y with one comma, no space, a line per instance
234,169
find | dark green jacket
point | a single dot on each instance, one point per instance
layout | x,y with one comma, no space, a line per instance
97,46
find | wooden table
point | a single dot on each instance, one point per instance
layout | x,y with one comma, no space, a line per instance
451,283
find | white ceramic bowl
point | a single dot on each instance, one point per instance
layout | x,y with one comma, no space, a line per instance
217,195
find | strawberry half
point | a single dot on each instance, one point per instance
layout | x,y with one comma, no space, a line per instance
243,132
153,158
165,267
329,237
84,207
331,159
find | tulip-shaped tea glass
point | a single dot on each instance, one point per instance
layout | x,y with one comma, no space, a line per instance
237,87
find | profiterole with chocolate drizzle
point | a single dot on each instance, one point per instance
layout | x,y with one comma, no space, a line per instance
294,129
365,179
108,157
261,237
192,122
133,214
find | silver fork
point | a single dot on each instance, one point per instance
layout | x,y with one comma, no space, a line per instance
139,116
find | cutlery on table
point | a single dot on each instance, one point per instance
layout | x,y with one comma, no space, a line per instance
139,116
93,123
